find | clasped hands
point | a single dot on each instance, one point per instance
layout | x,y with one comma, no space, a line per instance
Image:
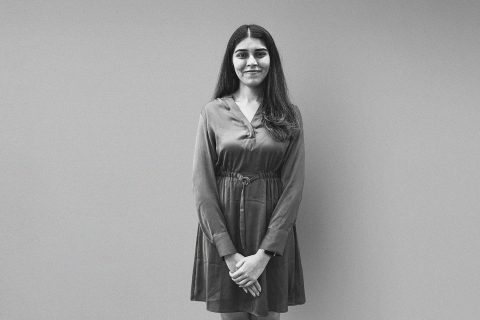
245,271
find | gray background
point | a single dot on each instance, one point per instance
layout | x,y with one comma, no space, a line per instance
99,106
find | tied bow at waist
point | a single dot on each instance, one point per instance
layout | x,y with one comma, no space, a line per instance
246,180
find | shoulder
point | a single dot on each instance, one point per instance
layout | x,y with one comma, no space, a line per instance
213,107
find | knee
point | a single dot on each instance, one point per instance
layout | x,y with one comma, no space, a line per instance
270,316
235,316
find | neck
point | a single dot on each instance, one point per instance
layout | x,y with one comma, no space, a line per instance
247,94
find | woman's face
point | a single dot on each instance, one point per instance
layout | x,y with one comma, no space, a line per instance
251,61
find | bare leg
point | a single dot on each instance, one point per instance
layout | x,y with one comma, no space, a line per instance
235,316
271,316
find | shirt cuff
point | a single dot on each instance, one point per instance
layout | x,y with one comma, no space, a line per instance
275,241
224,244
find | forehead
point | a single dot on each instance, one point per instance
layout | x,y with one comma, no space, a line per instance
250,44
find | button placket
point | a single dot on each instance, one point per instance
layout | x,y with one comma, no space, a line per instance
251,131
241,115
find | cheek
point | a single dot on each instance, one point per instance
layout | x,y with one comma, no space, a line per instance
237,64
267,62
267,67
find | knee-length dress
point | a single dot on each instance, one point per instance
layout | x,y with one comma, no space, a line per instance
247,190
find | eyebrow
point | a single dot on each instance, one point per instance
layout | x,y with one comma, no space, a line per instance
262,49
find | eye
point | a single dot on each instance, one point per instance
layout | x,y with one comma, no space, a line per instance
241,55
261,54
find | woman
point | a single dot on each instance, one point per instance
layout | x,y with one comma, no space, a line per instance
248,174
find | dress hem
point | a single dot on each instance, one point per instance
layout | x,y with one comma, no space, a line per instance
216,309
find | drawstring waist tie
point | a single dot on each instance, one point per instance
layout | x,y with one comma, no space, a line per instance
246,180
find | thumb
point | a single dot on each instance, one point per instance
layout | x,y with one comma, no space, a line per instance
240,263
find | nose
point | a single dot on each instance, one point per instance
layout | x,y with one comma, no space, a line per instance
251,60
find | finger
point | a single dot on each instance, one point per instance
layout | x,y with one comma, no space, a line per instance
244,282
238,275
254,289
257,285
240,263
235,273
248,284
246,291
239,280
252,292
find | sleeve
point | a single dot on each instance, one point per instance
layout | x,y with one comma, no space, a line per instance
211,219
285,213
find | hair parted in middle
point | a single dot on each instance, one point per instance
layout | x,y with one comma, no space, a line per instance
278,114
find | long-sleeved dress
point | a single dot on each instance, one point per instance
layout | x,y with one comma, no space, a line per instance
247,190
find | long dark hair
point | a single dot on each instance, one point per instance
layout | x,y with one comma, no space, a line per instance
278,114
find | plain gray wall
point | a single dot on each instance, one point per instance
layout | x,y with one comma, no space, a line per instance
99,106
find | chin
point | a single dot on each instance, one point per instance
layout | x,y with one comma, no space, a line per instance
253,83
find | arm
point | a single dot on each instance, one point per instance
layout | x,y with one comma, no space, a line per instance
212,221
285,213
283,217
